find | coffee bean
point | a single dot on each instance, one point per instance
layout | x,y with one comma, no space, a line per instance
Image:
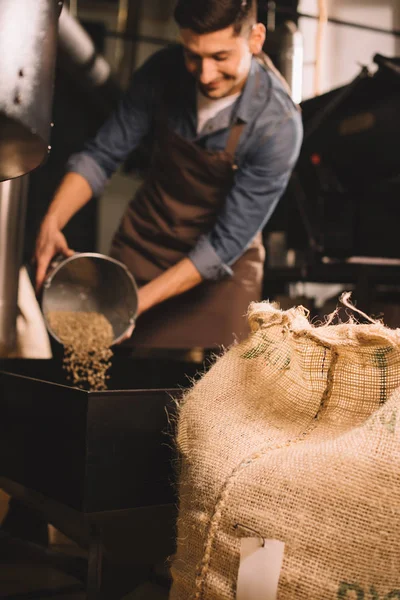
87,337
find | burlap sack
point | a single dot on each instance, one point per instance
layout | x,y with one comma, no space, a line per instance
294,433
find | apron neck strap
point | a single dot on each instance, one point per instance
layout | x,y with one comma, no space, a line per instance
233,138
237,128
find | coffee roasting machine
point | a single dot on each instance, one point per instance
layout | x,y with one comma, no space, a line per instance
28,43
34,34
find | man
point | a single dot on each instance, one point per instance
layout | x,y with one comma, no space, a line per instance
225,136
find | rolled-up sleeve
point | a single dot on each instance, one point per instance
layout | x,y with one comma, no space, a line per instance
207,261
123,131
85,165
259,183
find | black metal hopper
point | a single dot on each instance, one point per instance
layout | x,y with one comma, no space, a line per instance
97,465
93,451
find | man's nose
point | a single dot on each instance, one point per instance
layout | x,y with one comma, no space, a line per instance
208,71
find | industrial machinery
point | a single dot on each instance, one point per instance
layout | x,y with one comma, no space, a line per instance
346,185
337,221
38,33
97,467
284,45
28,53
28,43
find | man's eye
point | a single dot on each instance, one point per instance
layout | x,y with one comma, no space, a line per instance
220,58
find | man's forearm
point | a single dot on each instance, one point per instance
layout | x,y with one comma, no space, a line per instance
178,279
73,193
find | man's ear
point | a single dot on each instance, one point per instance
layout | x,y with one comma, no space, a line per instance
257,38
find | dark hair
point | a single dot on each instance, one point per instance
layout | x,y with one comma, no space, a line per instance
207,16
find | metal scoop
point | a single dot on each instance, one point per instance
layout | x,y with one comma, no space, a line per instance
92,282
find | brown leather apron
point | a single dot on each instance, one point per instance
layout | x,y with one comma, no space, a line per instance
179,201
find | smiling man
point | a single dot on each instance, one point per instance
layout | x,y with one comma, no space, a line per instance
225,137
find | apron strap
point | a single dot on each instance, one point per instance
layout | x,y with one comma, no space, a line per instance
236,131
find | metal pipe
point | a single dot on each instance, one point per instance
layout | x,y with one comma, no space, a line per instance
13,199
319,42
129,58
122,26
78,45
73,8
147,39
77,57
271,16
298,15
284,45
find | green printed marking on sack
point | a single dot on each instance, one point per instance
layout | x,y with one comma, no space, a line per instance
354,591
389,421
387,418
272,351
379,360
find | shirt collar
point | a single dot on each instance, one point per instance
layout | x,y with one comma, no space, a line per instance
253,97
254,92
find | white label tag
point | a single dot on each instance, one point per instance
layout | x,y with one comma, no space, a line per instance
259,569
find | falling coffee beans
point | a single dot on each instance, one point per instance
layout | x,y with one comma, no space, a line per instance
87,337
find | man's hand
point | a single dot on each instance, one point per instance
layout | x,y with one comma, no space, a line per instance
50,242
73,193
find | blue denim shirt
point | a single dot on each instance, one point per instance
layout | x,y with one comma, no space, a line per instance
266,154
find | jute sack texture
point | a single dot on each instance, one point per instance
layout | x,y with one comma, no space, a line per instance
295,434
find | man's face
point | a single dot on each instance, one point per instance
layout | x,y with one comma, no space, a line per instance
219,61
